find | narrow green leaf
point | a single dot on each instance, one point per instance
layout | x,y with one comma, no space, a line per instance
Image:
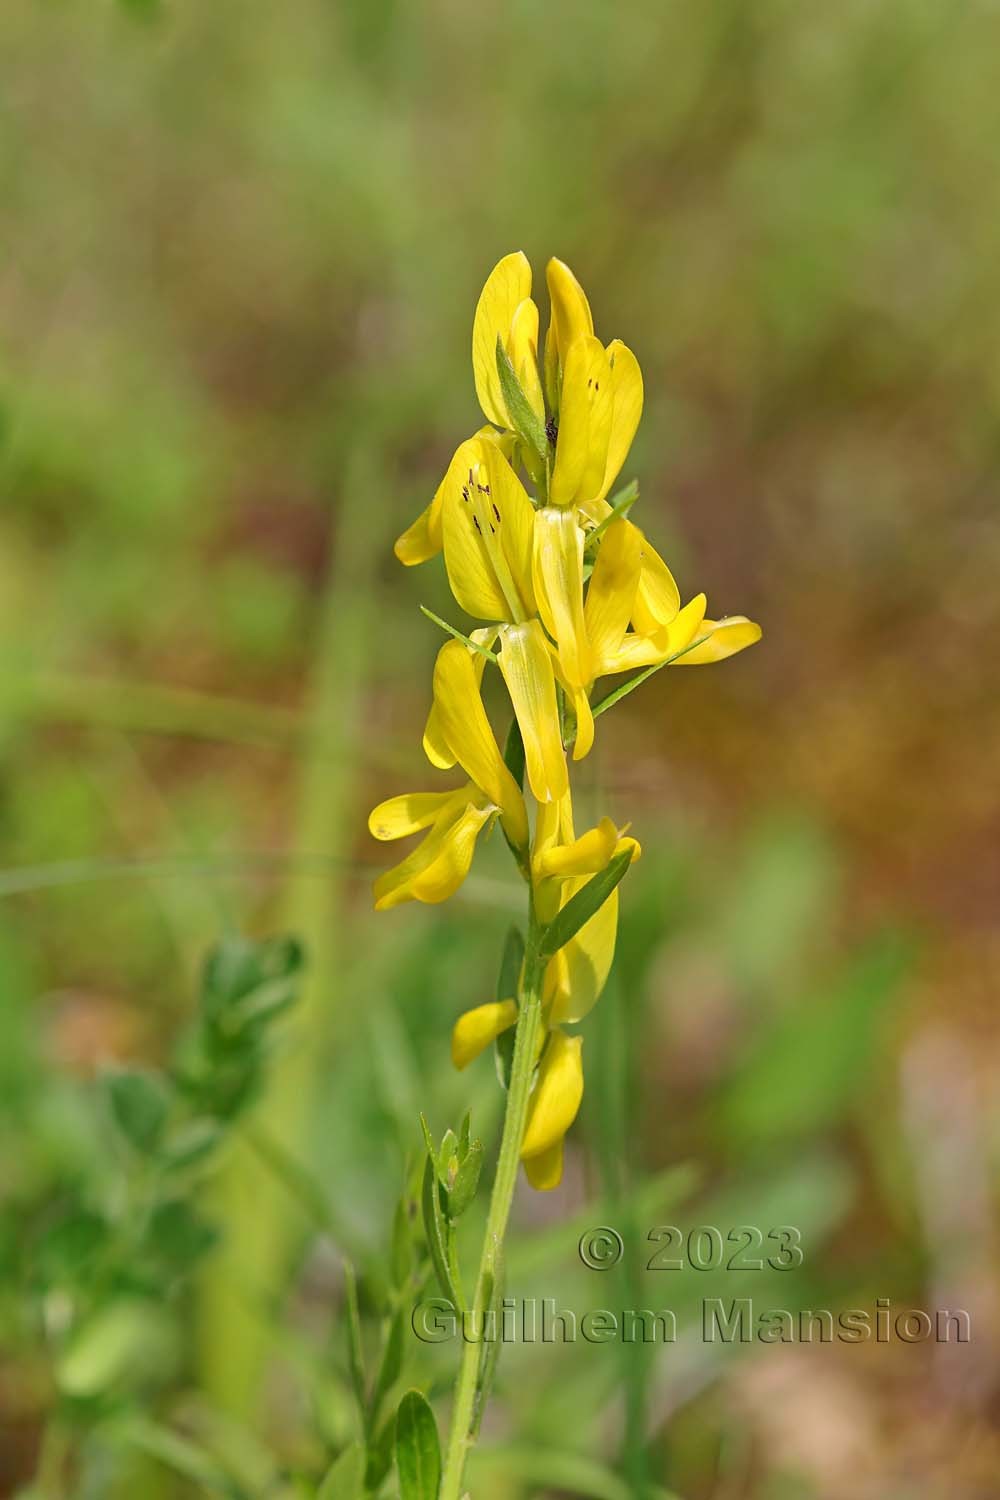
380,1450
508,983
581,907
435,1230
355,1350
139,1103
418,1451
522,414
621,503
402,1243
628,687
465,639
345,1480
391,1366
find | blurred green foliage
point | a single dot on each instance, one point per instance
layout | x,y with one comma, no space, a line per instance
240,261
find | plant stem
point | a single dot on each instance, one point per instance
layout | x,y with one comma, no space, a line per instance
461,1436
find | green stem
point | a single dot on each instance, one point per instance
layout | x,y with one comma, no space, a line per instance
461,1437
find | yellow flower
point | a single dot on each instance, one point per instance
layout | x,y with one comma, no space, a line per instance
592,635
474,1030
554,1104
506,312
439,864
489,526
561,865
463,728
423,539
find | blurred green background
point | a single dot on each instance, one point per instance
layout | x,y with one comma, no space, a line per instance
241,249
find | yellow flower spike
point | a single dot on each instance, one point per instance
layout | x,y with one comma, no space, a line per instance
725,638
626,381
522,346
558,579
474,1030
464,727
507,286
570,317
545,1170
526,664
488,525
436,747
423,540
436,868
586,408
557,1095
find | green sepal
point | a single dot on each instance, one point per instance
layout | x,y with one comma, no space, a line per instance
418,1450
522,414
463,1189
581,907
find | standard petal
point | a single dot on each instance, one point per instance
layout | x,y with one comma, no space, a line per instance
401,816
557,1095
558,577
526,664
474,1030
507,285
570,317
466,730
611,592
439,864
725,638
626,381
522,346
488,525
545,1170
585,412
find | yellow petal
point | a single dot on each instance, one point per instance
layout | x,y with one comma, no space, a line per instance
626,380
545,1170
557,1094
584,856
435,745
647,650
507,285
522,346
558,579
725,638
400,816
477,1028
657,597
570,317
584,741
466,730
488,524
611,592
422,540
439,864
585,411
586,959
526,665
